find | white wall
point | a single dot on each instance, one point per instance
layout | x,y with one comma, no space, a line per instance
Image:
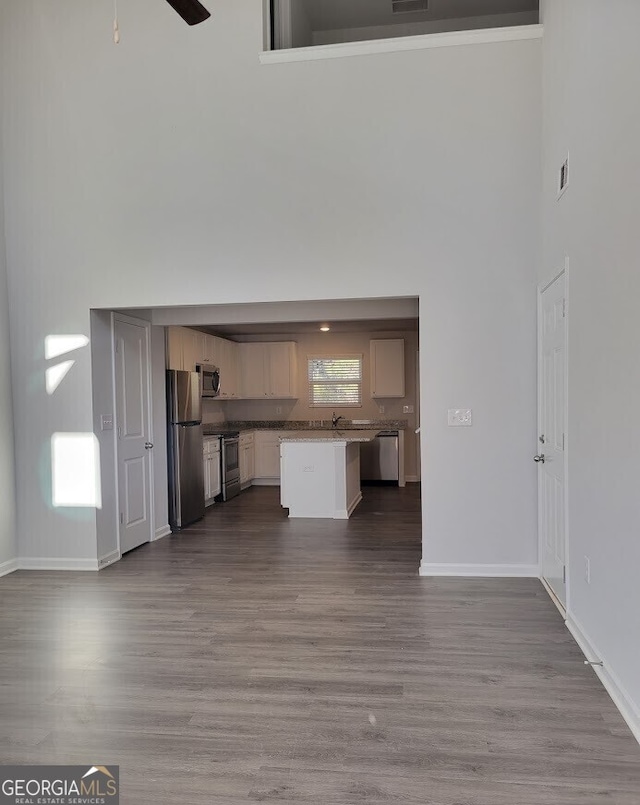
591,69
7,490
176,170
104,405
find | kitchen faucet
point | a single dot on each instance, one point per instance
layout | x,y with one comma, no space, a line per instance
335,419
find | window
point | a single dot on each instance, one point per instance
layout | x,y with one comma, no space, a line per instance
335,381
307,23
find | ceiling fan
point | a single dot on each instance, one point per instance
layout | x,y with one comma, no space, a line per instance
191,11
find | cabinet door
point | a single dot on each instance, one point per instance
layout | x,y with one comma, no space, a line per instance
207,477
252,371
251,462
247,463
282,368
214,474
233,369
220,358
174,348
205,353
244,464
190,349
224,356
387,367
267,455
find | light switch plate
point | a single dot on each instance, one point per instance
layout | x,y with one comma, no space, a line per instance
106,422
407,409
460,417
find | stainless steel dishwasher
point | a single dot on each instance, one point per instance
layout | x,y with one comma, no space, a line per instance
379,458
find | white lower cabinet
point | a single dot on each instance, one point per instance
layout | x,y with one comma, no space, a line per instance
212,474
247,459
267,456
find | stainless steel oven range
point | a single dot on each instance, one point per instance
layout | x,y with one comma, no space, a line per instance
230,462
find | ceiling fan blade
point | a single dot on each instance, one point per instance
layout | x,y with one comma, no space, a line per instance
191,11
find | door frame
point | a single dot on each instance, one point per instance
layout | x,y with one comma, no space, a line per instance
542,287
122,317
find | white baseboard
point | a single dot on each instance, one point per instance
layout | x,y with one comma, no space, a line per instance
54,563
266,482
164,531
490,571
8,567
625,704
108,559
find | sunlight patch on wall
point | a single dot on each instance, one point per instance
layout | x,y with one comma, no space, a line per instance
56,345
55,375
75,470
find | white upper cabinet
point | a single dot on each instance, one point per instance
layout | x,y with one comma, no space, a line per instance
251,371
187,347
253,380
183,348
174,348
387,367
268,369
190,348
283,369
207,349
225,357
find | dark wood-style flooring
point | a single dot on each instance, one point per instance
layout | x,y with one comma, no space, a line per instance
257,659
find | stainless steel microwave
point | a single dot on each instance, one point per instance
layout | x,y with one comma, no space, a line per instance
209,380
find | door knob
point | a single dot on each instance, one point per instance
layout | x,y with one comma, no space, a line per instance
539,459
148,445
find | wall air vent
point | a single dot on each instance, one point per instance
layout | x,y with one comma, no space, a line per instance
407,6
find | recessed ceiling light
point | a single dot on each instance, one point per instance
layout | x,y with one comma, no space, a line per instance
325,328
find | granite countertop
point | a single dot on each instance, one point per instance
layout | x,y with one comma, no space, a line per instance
347,435
210,429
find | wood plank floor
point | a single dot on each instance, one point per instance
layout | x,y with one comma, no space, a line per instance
257,659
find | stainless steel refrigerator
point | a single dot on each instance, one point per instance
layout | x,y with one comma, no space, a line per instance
184,440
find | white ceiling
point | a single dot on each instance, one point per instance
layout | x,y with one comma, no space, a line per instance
326,15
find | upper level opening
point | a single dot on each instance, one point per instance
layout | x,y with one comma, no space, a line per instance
305,23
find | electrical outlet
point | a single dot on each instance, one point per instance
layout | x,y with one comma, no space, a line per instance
407,409
381,409
587,570
278,409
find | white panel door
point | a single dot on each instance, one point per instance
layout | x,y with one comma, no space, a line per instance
133,433
551,435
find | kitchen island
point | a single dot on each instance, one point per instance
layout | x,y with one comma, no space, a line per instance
320,472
